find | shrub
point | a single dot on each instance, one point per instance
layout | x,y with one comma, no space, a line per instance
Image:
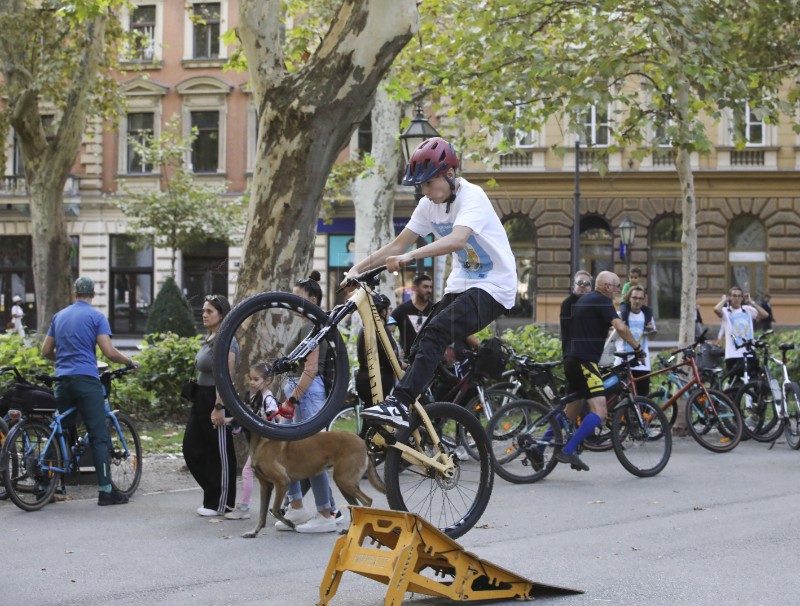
152,393
171,312
25,354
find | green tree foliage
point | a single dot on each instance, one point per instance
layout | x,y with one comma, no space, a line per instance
171,312
183,213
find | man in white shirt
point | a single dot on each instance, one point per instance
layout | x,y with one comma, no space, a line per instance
737,312
16,315
639,318
482,284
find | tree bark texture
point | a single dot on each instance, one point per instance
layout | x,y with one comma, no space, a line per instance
48,163
373,192
305,119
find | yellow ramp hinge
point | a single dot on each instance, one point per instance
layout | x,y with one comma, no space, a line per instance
407,554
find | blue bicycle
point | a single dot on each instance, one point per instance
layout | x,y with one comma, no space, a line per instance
35,456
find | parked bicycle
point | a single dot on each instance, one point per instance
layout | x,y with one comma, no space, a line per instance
526,434
422,473
711,417
35,456
764,402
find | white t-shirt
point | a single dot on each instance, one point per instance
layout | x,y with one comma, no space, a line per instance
737,324
486,262
636,324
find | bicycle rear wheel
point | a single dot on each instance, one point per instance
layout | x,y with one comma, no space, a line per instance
125,454
268,327
22,459
452,504
641,435
757,405
522,443
792,427
3,434
716,424
347,419
483,409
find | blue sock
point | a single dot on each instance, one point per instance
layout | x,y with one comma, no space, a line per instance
105,488
548,435
588,425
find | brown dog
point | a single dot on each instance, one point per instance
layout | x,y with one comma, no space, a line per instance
275,464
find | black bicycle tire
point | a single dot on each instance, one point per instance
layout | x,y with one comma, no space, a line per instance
734,438
227,390
44,497
135,448
394,466
665,437
3,434
792,432
762,432
500,465
480,415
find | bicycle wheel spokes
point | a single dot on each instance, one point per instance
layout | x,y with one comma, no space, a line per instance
268,328
522,443
791,428
25,461
345,420
714,421
642,437
453,503
483,410
126,456
757,405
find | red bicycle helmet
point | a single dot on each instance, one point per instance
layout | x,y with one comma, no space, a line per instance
431,157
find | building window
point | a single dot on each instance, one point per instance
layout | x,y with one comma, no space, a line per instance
205,271
131,284
143,30
522,237
140,126
594,127
364,135
747,255
206,24
205,149
664,293
596,246
748,125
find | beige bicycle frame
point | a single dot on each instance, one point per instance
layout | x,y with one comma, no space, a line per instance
374,333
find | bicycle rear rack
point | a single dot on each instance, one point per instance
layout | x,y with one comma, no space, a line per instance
409,555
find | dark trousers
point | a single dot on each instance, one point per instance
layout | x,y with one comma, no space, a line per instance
454,318
209,453
86,393
643,386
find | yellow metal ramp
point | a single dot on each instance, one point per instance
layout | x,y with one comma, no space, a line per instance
408,554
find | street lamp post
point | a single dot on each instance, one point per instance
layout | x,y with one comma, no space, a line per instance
418,131
576,210
627,233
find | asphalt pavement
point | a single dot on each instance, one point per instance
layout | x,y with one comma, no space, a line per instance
711,529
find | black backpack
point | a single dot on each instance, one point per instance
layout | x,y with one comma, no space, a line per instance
490,361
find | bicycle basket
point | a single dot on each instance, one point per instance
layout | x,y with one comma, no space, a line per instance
31,399
490,361
710,356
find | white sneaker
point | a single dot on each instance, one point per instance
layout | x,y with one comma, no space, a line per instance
339,518
461,453
390,412
317,524
207,513
296,516
240,513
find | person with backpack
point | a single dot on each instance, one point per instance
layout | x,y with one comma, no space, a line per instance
639,318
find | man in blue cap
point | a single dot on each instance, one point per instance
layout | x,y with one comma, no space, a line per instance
70,342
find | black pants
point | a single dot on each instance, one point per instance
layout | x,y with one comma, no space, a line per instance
454,318
643,386
209,453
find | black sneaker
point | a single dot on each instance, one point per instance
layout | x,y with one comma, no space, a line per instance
535,458
573,459
115,497
389,412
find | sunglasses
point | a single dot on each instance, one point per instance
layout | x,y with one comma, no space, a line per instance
211,299
583,283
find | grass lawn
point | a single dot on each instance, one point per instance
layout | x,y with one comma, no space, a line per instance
161,437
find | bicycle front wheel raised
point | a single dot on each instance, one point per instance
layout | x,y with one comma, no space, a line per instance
125,455
715,423
28,464
522,443
269,328
452,503
640,432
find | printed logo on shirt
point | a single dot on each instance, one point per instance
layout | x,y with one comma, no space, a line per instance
474,260
741,326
